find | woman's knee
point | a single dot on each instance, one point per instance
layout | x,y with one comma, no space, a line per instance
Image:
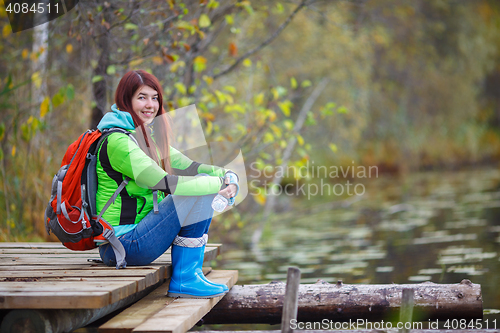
107,255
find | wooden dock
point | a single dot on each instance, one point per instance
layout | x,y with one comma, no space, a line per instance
50,288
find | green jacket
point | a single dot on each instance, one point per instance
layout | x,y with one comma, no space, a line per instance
120,156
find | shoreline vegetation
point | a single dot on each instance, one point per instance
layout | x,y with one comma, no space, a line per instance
362,89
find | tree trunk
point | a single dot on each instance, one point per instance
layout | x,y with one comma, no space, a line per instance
39,66
338,302
99,88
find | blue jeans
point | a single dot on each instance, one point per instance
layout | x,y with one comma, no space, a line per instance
186,216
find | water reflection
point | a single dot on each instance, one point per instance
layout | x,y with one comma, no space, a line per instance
436,226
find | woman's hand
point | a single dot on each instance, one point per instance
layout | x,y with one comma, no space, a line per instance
229,191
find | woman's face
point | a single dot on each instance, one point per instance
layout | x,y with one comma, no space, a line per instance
145,104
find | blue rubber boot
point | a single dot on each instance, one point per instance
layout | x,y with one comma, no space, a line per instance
185,282
199,269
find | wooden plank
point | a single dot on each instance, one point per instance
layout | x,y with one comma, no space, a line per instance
32,291
53,300
44,251
142,282
59,273
49,276
86,266
139,312
78,257
62,285
44,261
36,256
183,313
52,245
56,245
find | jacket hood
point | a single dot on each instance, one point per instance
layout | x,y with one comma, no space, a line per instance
116,118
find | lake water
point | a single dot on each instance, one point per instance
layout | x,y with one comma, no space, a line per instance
434,226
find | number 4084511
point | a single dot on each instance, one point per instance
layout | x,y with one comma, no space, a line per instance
455,324
25,8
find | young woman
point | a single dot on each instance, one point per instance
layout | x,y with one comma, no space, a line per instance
148,222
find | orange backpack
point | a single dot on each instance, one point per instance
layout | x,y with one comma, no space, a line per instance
71,213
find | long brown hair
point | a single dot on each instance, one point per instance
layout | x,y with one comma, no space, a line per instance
126,89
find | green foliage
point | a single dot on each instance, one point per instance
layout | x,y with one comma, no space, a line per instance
406,82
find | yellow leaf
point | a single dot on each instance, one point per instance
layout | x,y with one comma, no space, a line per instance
199,63
25,53
69,48
44,107
7,30
181,88
176,65
293,83
272,115
220,96
204,21
333,147
209,80
259,99
200,60
285,107
247,62
135,62
13,151
276,130
209,127
37,79
300,139
157,60
268,137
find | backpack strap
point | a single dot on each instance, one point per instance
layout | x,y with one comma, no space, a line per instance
155,202
116,245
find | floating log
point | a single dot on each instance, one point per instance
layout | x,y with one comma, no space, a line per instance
341,302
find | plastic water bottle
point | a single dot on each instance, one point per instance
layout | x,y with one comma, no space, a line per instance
220,203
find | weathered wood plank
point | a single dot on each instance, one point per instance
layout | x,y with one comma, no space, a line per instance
61,273
56,245
44,261
79,258
52,300
44,250
139,312
62,320
183,313
43,293
43,275
86,266
41,245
